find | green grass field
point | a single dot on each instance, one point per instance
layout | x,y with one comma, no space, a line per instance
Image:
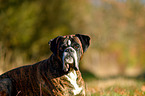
116,90
118,86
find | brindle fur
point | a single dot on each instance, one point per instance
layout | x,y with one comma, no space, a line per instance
28,80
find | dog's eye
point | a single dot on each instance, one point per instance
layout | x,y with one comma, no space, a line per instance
76,47
62,47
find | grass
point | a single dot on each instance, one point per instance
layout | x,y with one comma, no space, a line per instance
116,87
120,91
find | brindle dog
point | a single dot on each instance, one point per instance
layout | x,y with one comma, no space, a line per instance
58,75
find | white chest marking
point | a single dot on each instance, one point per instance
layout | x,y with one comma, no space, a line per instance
72,77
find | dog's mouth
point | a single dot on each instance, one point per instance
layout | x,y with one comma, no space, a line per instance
68,64
70,61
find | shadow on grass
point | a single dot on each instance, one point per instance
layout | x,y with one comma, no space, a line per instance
88,75
141,76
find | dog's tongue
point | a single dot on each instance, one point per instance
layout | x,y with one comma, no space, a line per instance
66,68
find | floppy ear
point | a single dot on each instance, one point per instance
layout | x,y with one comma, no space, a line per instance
53,44
85,40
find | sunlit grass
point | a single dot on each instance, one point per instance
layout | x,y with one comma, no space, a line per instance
116,87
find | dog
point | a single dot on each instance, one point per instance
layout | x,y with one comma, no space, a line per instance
58,75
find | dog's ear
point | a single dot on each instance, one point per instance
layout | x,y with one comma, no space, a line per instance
85,40
53,44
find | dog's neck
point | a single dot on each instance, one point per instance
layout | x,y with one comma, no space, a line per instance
54,66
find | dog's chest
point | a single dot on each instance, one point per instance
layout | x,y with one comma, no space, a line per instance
72,78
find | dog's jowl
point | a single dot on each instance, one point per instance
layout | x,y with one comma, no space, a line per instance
58,75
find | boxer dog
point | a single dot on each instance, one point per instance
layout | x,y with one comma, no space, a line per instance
58,75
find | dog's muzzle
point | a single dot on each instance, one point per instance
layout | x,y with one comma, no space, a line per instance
70,59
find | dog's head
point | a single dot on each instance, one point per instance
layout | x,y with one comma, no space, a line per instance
69,49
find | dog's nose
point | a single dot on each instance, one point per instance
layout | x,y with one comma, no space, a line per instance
68,50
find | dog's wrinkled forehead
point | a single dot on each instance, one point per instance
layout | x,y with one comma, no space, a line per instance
69,40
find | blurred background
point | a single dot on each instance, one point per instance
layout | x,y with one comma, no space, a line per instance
116,28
